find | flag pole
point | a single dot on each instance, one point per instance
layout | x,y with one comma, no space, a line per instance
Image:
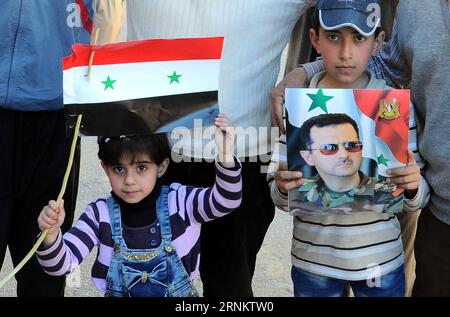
91,57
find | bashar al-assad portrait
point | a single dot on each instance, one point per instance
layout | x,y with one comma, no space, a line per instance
344,141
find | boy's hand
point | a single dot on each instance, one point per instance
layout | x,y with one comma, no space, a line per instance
225,137
407,177
297,78
51,218
286,180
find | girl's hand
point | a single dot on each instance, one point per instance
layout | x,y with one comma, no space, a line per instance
51,218
225,137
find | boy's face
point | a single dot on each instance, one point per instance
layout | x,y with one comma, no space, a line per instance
133,181
341,164
346,54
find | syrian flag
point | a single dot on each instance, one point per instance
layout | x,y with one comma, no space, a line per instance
143,86
382,117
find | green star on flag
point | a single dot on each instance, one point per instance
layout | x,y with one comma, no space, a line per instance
174,77
319,101
109,83
382,160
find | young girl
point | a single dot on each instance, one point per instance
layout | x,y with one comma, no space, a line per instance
147,234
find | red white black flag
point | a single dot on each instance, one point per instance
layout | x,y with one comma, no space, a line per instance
144,86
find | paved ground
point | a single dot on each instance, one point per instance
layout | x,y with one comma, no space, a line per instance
272,274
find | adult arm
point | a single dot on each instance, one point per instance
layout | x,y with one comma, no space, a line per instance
108,18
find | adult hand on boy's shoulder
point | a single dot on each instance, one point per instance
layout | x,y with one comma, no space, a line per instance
296,78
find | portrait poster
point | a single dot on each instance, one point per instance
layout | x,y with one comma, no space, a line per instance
142,87
382,118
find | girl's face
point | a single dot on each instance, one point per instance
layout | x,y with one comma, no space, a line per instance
133,181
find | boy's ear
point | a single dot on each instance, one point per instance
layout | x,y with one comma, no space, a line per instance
162,168
314,37
378,43
103,165
307,157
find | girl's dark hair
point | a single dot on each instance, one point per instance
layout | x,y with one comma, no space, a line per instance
111,150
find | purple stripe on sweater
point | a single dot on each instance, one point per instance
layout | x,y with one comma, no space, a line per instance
90,225
216,208
190,259
58,266
67,265
94,208
81,246
206,202
197,212
225,193
100,284
55,250
189,190
103,211
46,250
191,205
49,262
229,179
104,255
224,205
235,188
83,237
73,248
185,242
233,172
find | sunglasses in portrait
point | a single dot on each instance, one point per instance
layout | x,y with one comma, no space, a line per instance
330,149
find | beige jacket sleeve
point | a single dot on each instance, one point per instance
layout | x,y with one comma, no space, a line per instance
108,18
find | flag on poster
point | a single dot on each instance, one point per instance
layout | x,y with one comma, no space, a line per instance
382,117
143,86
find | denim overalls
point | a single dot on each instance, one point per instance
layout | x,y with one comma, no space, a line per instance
146,272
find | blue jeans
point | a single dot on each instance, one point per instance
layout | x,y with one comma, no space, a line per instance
308,284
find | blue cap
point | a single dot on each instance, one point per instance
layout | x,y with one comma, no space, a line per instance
362,15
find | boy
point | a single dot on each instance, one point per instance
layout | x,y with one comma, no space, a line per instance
346,34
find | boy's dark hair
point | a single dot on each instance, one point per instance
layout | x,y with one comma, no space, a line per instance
321,121
314,21
111,150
